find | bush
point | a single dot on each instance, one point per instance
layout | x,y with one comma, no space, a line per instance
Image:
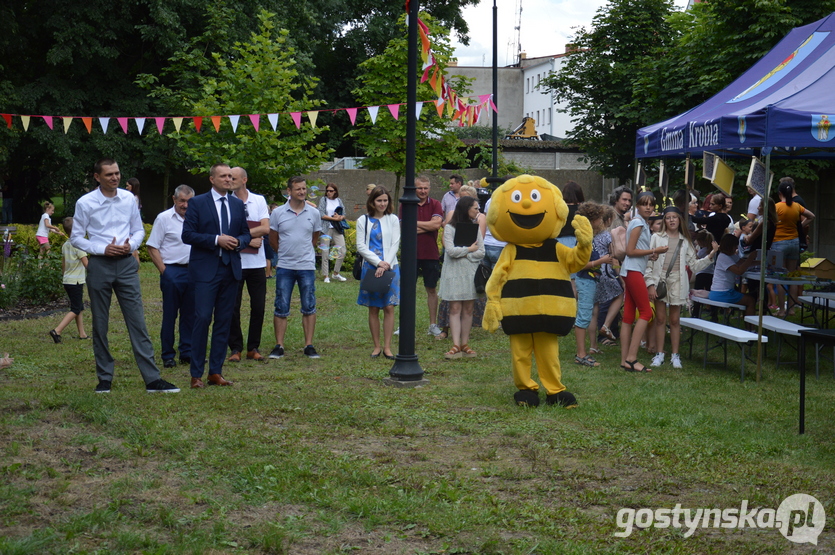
40,281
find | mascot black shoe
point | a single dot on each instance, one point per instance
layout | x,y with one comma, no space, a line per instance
530,291
526,398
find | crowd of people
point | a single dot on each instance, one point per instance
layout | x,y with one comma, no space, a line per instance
647,261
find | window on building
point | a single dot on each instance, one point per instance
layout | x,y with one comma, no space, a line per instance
527,85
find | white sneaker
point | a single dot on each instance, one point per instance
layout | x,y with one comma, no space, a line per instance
674,358
338,277
327,280
657,360
434,330
397,331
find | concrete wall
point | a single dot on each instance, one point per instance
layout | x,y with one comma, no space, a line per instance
352,183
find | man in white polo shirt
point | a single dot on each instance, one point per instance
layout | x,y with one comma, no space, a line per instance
294,233
170,255
253,271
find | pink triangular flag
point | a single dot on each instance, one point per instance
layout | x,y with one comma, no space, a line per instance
234,121
25,121
140,124
297,119
372,111
493,106
104,122
273,120
483,98
67,122
48,120
256,121
178,122
352,115
160,124
123,123
418,109
312,116
395,110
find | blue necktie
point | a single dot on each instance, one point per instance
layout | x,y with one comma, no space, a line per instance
224,229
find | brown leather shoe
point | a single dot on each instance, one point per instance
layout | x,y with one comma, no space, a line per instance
217,379
236,357
197,383
254,355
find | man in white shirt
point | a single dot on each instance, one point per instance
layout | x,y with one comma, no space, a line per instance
170,255
253,271
108,228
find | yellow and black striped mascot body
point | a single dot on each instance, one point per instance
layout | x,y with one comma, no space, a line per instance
530,291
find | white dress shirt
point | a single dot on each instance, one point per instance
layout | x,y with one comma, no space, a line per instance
99,219
256,210
167,237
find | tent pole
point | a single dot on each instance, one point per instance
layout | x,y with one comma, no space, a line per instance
763,263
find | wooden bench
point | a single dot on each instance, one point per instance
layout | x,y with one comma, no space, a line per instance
780,327
725,333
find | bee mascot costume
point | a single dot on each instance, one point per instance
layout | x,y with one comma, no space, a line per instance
530,291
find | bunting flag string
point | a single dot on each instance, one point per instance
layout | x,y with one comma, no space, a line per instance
448,101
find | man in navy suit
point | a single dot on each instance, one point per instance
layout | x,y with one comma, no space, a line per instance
215,227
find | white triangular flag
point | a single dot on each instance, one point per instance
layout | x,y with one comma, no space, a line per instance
104,122
234,121
372,111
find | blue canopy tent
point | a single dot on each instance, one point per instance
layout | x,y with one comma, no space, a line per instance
785,104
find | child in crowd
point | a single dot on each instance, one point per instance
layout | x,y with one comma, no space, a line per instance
702,240
609,289
638,252
74,264
586,284
45,227
671,268
728,267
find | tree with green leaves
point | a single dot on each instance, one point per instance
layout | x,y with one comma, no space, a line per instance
256,77
383,81
596,81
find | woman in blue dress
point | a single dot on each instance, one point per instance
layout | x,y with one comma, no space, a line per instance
378,240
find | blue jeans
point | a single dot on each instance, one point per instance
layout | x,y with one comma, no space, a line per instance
585,301
284,282
789,247
491,255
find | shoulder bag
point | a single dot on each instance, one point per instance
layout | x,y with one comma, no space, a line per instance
661,288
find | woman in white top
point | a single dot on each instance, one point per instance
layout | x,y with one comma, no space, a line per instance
673,233
378,240
333,213
632,272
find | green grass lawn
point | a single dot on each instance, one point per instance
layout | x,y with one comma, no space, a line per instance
312,457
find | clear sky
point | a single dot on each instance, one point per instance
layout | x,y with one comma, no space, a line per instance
547,26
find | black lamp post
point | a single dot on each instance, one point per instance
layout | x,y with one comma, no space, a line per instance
494,179
406,369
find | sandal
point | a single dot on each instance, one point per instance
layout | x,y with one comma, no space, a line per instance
467,352
629,366
595,351
586,361
442,335
608,342
604,329
455,352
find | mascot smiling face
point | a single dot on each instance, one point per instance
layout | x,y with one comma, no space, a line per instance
526,210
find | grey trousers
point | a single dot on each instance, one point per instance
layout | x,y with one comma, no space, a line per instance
105,276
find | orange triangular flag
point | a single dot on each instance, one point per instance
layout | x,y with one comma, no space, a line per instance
439,106
88,123
216,123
